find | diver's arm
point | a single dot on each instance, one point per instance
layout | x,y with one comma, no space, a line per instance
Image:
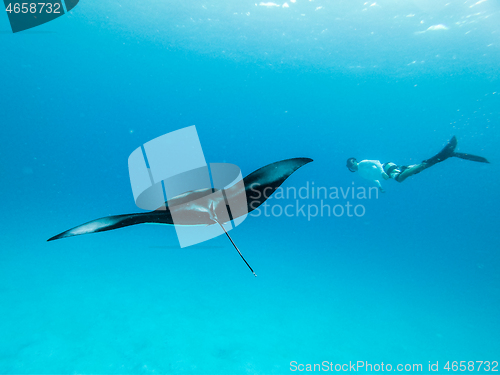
379,186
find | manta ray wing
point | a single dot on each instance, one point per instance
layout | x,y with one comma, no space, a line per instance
262,183
259,186
114,222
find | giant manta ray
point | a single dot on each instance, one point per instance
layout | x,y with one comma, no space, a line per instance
201,207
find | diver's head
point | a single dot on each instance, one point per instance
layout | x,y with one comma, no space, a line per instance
352,164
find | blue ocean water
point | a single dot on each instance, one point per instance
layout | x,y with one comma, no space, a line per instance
411,281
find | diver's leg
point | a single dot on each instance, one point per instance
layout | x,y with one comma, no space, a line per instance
407,171
445,153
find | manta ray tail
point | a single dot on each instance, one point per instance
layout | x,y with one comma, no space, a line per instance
236,247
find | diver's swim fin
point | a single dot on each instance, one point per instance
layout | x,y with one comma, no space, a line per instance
470,157
449,151
445,153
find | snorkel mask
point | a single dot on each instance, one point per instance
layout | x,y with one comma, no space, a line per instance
350,164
